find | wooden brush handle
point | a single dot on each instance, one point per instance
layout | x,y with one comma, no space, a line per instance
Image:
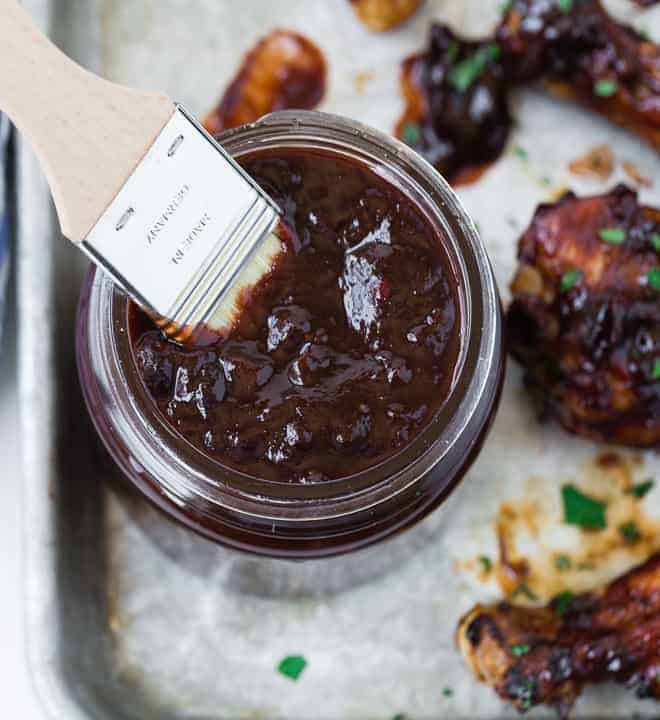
88,133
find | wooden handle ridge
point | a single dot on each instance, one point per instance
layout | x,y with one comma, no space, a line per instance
88,133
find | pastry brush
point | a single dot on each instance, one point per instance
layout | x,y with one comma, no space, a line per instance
138,184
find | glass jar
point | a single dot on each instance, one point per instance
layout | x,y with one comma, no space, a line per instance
335,516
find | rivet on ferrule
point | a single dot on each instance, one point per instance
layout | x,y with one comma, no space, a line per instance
175,145
123,220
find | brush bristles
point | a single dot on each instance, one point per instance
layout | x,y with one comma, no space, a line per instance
260,264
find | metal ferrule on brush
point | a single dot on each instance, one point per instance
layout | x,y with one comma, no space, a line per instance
183,227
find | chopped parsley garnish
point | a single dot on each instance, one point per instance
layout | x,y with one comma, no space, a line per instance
562,562
586,565
569,279
653,278
399,716
520,152
520,650
582,510
486,563
452,51
292,666
613,236
605,88
641,489
524,589
566,5
462,75
447,692
655,373
527,694
411,133
506,6
562,602
655,241
630,532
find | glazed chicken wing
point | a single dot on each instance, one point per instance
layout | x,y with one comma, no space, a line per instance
546,655
457,108
382,15
284,70
585,316
585,55
457,91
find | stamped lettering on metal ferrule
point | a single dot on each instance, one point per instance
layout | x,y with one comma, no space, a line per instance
189,240
169,212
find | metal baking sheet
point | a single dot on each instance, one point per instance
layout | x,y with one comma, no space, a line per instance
132,618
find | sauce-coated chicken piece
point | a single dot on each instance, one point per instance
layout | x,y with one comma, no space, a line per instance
284,70
587,56
457,109
585,316
382,15
546,655
457,91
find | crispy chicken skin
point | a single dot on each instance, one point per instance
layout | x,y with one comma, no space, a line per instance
546,655
587,56
585,316
382,15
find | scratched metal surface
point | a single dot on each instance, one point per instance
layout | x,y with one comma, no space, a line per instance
131,618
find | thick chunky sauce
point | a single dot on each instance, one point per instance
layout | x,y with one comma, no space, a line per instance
341,355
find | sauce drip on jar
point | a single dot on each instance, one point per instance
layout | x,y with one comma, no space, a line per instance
341,355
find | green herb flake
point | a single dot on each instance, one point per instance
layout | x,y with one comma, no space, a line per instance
562,563
399,716
605,88
641,489
524,589
655,241
582,510
447,692
292,666
587,565
526,695
506,6
655,372
486,563
653,278
562,602
566,5
613,236
520,152
411,133
569,279
520,650
630,532
452,51
463,75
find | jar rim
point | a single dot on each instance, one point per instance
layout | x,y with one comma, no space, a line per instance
134,421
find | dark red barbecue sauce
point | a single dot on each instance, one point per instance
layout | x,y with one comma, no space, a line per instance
341,355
